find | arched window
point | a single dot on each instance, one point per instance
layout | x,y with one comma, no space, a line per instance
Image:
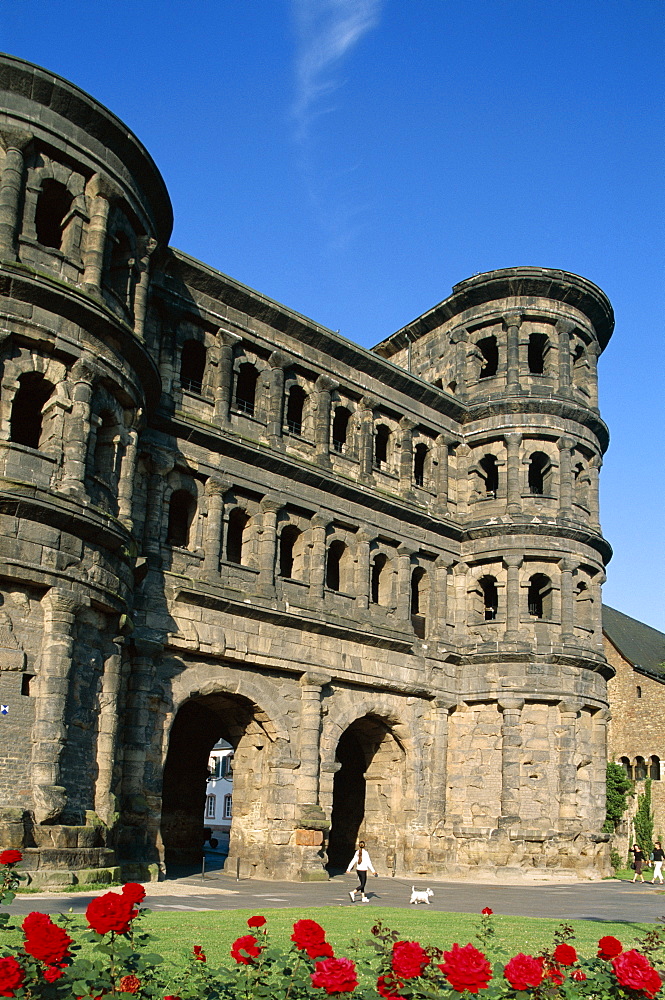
122,259
420,463
638,691
192,365
26,420
287,541
104,458
336,552
238,521
640,769
182,508
381,443
538,475
490,352
490,597
582,605
536,353
418,604
452,387
294,409
53,206
654,767
246,389
540,596
380,582
340,428
626,765
490,474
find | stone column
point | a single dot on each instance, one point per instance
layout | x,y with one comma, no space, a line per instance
564,328
439,612
513,490
593,351
512,563
160,464
278,362
127,477
594,472
311,685
107,733
50,730
223,386
137,723
324,389
597,612
441,485
459,338
565,445
366,449
437,762
512,322
599,723
511,752
147,248
77,428
270,507
404,554
13,142
567,567
102,191
566,747
363,539
317,558
406,454
215,488
460,572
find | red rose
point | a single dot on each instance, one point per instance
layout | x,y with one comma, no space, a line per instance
609,946
321,949
555,976
578,976
486,912
524,971
256,921
307,933
335,975
466,969
565,954
199,953
409,959
129,984
387,986
52,973
636,972
134,892
245,949
10,857
169,997
11,976
44,940
110,912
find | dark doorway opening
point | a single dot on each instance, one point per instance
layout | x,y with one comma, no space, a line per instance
348,809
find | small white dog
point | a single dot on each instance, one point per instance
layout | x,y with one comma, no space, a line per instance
420,896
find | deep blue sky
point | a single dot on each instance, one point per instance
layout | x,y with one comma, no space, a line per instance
354,159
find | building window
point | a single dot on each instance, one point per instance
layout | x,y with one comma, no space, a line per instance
287,541
192,365
536,353
340,428
335,553
640,769
638,691
381,442
210,806
380,581
539,596
419,464
654,767
182,508
490,356
418,592
490,597
295,408
489,472
227,807
538,476
120,267
53,206
235,535
626,765
246,389
227,766
26,420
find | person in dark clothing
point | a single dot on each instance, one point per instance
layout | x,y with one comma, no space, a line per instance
638,861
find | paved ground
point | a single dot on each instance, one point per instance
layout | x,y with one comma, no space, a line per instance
606,900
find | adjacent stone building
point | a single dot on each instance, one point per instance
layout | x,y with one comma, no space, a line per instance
376,574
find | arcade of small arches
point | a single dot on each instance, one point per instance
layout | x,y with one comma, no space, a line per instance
639,768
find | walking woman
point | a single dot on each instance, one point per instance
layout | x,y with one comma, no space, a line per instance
638,861
658,858
362,862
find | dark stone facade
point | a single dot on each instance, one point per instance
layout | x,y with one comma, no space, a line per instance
375,573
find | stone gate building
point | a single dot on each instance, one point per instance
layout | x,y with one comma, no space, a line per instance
375,573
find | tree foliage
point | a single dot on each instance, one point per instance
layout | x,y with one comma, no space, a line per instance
643,821
618,786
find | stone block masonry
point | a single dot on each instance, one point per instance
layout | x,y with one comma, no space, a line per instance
376,574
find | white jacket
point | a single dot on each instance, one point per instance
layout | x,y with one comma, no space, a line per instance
362,861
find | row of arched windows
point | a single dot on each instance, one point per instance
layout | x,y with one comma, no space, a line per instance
538,348
641,768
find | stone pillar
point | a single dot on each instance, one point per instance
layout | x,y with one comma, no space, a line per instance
223,385
566,747
564,328
215,488
594,472
278,362
317,558
512,563
311,685
512,322
50,731
593,351
107,734
565,445
147,248
77,428
460,338
599,723
404,554
439,612
567,567
366,450
160,464
102,191
270,507
324,389
513,487
13,142
127,477
437,762
511,752
136,732
460,573
363,539
441,484
597,612
406,454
